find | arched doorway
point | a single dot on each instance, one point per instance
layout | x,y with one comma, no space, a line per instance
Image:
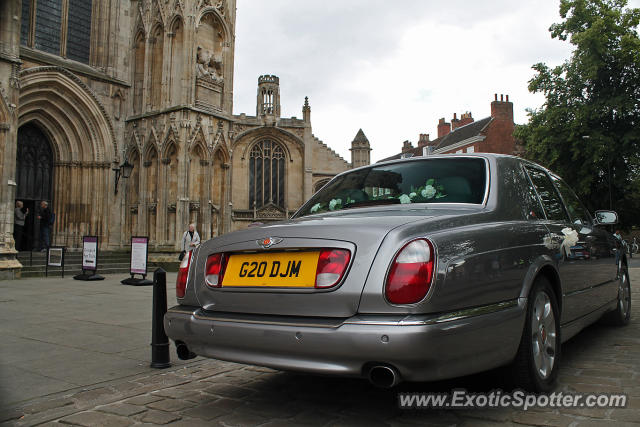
34,172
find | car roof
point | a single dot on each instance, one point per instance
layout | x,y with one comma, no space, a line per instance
438,156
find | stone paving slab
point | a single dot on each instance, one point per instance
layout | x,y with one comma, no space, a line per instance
215,393
59,334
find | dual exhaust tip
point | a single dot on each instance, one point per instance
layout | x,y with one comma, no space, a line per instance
379,375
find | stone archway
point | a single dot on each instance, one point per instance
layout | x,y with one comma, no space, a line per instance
83,147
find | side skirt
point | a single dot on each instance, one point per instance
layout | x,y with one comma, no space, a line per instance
569,330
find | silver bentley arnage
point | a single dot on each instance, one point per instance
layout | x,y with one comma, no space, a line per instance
418,269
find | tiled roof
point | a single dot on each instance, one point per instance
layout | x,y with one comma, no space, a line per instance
463,132
452,138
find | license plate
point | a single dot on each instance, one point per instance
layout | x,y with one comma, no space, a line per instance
279,269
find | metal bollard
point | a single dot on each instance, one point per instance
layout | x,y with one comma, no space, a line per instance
159,339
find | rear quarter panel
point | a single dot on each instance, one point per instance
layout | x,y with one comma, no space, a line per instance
482,258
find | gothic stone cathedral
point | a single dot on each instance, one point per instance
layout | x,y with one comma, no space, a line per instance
87,86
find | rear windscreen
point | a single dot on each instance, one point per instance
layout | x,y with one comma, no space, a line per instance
441,180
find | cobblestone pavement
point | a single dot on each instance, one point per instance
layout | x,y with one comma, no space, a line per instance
600,359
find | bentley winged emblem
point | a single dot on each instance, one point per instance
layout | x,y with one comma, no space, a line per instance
267,242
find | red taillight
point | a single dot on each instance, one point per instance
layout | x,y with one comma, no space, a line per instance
411,273
183,272
332,264
216,265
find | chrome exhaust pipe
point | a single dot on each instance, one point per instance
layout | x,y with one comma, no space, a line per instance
183,351
384,376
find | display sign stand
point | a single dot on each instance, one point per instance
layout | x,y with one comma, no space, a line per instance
89,259
138,265
55,258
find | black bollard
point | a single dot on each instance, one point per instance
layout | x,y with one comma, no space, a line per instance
159,339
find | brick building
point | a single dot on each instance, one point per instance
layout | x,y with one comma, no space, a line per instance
493,134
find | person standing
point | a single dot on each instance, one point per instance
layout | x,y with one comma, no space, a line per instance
19,217
45,226
190,239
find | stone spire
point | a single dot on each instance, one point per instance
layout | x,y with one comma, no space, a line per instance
306,110
360,150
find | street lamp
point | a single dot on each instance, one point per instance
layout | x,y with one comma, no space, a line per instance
124,170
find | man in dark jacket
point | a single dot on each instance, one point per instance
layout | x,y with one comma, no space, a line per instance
45,226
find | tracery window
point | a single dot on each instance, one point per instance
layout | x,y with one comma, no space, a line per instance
60,27
266,174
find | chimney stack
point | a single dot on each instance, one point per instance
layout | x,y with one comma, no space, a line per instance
424,139
502,110
407,146
443,128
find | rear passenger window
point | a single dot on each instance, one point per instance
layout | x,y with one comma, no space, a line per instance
579,215
548,196
521,189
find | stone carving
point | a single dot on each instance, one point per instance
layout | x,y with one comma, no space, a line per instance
5,99
243,214
219,5
194,206
270,211
171,208
14,80
208,65
218,136
117,105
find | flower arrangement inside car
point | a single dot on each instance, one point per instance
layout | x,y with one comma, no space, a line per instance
430,191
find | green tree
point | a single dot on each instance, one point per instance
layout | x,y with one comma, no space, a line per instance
588,129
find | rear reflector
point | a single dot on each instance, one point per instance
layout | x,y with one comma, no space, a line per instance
183,272
411,273
216,265
332,263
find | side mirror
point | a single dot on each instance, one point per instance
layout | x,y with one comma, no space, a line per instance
606,217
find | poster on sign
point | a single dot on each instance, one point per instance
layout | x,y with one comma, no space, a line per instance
55,256
89,259
90,253
139,247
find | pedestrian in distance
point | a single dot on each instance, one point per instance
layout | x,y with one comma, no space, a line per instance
46,220
190,239
19,217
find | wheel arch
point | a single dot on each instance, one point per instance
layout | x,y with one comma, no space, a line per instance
544,268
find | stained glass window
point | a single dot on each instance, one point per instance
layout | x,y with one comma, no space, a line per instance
79,30
49,18
266,174
48,25
26,22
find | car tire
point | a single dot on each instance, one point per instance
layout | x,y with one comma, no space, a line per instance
622,314
535,367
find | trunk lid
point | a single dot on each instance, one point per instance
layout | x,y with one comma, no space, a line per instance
360,231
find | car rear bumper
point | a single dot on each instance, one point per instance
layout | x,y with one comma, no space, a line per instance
421,348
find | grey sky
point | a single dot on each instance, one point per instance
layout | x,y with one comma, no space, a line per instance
392,68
